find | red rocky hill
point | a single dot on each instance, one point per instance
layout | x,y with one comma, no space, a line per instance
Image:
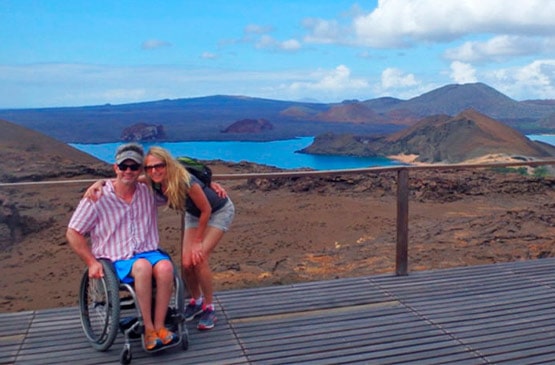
440,138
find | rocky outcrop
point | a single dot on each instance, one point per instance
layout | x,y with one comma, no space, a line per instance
438,139
249,126
15,226
344,144
466,136
143,132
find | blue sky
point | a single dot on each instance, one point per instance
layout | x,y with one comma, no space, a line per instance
74,53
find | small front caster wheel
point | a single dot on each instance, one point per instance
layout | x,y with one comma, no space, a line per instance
125,356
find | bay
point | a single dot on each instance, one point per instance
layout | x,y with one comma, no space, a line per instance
547,138
279,154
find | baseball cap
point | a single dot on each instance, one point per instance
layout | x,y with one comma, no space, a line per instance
130,151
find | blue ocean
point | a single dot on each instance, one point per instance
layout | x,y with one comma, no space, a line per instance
547,138
280,154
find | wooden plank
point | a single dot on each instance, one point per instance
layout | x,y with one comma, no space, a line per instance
500,314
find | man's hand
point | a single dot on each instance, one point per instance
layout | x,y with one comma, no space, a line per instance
96,270
218,189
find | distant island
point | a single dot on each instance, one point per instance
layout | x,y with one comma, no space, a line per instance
438,139
234,118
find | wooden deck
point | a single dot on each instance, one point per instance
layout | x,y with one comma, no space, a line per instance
493,314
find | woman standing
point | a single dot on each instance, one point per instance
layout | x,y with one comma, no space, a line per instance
208,215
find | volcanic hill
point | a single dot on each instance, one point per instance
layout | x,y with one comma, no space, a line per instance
439,138
28,155
205,118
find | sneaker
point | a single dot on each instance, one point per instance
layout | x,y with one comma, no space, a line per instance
152,342
167,337
207,319
192,310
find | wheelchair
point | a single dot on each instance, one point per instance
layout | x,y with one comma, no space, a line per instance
108,306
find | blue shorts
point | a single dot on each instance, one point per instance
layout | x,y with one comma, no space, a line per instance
220,219
123,267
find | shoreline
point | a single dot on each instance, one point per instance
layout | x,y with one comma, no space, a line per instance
490,158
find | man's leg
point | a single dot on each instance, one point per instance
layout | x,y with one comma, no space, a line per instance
142,275
163,274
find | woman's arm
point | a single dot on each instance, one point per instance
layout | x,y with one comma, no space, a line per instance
94,192
196,194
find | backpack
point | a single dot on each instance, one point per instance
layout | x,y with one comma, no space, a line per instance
197,168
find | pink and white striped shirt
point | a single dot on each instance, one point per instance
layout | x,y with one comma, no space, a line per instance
118,230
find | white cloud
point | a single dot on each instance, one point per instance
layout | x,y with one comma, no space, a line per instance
334,80
154,44
401,22
462,73
208,55
120,94
323,85
258,35
393,78
535,80
498,49
267,42
323,31
97,84
257,29
290,45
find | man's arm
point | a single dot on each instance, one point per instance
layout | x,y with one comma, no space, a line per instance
79,244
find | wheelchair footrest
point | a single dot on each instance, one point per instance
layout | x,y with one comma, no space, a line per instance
173,319
129,326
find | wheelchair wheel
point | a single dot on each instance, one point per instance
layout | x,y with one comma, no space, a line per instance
179,294
180,308
99,307
125,356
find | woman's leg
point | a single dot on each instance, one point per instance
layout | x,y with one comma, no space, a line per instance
203,271
188,271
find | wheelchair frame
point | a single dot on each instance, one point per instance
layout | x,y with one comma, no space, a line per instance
103,301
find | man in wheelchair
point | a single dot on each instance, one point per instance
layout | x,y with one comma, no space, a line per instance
123,228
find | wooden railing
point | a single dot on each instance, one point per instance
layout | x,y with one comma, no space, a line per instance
403,190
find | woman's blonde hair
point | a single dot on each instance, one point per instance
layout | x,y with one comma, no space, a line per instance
177,178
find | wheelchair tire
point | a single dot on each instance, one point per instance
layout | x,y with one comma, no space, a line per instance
100,308
125,356
179,294
185,341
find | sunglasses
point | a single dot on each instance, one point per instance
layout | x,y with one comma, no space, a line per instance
133,167
157,166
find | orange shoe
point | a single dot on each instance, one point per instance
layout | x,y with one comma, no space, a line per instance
166,336
152,341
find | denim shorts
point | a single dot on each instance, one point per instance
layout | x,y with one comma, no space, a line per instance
123,267
220,219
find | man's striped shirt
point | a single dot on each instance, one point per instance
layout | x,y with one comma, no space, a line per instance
118,230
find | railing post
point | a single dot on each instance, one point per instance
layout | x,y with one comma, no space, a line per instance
401,264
